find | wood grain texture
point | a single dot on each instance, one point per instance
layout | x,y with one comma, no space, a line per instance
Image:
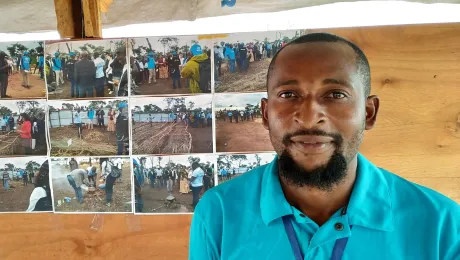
416,73
64,18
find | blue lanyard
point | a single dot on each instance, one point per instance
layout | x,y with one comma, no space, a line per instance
337,252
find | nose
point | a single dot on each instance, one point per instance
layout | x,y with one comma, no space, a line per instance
309,114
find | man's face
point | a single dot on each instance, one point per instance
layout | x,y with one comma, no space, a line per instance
316,110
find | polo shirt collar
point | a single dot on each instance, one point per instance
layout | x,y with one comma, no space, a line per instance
370,202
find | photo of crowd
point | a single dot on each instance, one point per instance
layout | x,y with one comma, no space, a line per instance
85,69
22,70
241,60
172,125
92,184
23,128
230,166
170,65
89,128
239,125
25,185
172,184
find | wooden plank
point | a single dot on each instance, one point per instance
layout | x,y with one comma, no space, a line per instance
415,72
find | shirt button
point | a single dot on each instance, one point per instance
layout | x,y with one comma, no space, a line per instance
338,226
302,215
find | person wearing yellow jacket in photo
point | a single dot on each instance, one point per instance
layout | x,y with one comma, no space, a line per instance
198,71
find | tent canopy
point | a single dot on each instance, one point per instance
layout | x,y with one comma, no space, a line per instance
21,16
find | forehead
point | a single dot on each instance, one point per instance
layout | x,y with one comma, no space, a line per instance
315,60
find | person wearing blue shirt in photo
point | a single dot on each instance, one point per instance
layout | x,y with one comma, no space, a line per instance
230,55
41,65
320,198
77,122
91,113
151,67
196,181
25,69
57,68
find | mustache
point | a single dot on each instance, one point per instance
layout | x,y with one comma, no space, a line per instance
338,139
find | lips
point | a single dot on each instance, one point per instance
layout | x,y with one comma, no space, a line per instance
312,144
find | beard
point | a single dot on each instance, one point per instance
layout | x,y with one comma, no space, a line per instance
326,176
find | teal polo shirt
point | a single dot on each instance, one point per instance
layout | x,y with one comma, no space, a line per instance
392,218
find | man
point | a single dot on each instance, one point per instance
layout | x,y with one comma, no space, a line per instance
151,68
73,164
25,69
174,63
122,128
57,68
230,55
4,72
41,133
74,91
243,54
198,70
139,203
320,198
77,122
40,198
85,75
100,117
99,63
90,115
92,175
196,181
6,179
76,179
41,64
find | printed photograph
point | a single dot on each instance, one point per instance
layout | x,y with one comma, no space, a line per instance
173,125
22,70
91,184
25,185
85,69
170,65
171,184
89,128
239,123
23,128
241,60
230,166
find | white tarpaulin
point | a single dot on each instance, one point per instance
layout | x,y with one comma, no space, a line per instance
20,16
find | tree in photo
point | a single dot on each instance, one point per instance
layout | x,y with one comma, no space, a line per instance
5,110
168,42
21,105
32,166
68,106
16,49
95,104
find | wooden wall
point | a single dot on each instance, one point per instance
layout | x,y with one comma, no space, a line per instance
416,73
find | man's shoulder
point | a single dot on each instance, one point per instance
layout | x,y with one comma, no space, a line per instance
408,193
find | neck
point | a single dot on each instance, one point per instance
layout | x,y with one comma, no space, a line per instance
317,204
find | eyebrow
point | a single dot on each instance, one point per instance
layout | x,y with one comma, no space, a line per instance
286,83
337,82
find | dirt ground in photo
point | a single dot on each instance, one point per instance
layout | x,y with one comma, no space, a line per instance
251,81
93,201
16,198
16,90
155,200
95,142
170,138
63,92
163,86
247,136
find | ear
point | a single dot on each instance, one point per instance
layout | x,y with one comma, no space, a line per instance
372,109
265,113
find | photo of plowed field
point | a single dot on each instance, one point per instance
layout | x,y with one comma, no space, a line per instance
179,129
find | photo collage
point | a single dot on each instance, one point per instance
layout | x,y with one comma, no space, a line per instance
141,125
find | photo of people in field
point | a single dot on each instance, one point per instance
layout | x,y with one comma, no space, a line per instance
230,166
172,125
170,65
25,185
241,60
172,184
85,69
239,123
22,70
91,184
23,128
84,127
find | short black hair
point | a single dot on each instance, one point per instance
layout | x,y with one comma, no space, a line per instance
361,60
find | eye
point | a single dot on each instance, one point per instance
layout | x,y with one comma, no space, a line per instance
337,95
287,95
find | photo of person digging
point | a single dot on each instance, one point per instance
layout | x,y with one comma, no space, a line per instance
92,184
